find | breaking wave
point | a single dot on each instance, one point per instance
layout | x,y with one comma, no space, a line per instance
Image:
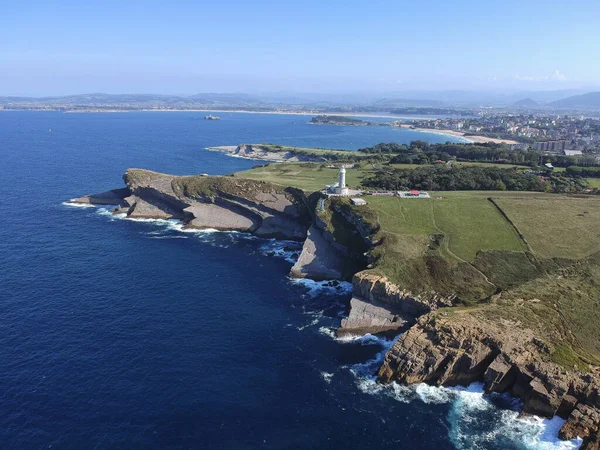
326,376
78,205
288,250
477,421
315,288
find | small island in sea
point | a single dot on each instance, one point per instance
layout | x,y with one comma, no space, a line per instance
344,121
481,278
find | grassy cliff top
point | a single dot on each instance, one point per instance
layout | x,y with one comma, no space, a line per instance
538,250
320,153
197,186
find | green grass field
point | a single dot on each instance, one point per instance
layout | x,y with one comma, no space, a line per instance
308,176
459,242
593,182
557,227
470,223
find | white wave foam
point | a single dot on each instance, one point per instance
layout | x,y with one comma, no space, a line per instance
109,213
319,287
475,422
314,322
287,250
367,369
327,376
327,332
78,205
167,224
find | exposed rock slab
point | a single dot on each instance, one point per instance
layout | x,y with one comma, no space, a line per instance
261,153
223,203
583,422
367,317
378,305
208,215
113,197
378,289
464,348
321,258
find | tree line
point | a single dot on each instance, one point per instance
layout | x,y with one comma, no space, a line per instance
421,152
442,178
583,171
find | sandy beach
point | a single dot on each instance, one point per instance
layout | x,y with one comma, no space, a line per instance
474,139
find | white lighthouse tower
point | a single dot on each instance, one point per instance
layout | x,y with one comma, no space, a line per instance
342,189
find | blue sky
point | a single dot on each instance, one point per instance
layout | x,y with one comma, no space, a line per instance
64,47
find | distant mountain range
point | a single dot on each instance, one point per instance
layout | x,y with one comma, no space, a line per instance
526,102
357,102
589,100
98,99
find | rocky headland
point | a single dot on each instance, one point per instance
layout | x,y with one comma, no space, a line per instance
282,153
222,203
440,345
264,153
230,203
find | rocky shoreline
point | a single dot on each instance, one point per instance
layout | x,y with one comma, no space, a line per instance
261,153
437,348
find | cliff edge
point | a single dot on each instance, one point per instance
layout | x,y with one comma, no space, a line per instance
218,202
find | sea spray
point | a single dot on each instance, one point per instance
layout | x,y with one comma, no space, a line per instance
288,250
315,288
78,205
477,421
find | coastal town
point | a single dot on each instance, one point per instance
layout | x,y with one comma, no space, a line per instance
572,135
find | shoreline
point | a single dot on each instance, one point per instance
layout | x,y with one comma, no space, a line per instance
504,368
242,111
474,139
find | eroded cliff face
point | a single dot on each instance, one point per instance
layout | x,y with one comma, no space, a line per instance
222,203
321,257
377,305
463,347
335,246
262,153
439,348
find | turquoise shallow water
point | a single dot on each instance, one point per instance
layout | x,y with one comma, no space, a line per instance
123,334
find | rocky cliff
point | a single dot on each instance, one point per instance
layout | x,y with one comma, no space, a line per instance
443,346
321,257
268,153
380,306
463,347
222,203
335,245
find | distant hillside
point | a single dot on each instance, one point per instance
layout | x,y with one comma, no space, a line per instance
589,100
526,102
402,102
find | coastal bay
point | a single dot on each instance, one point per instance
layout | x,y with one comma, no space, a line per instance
201,332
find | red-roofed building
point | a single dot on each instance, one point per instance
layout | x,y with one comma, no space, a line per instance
413,193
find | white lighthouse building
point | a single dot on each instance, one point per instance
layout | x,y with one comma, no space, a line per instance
342,189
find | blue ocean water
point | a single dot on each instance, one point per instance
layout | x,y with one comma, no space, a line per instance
133,334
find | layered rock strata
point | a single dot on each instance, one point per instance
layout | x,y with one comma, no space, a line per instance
222,203
321,257
262,153
460,350
380,306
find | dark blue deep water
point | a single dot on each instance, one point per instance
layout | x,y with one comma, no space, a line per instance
128,334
